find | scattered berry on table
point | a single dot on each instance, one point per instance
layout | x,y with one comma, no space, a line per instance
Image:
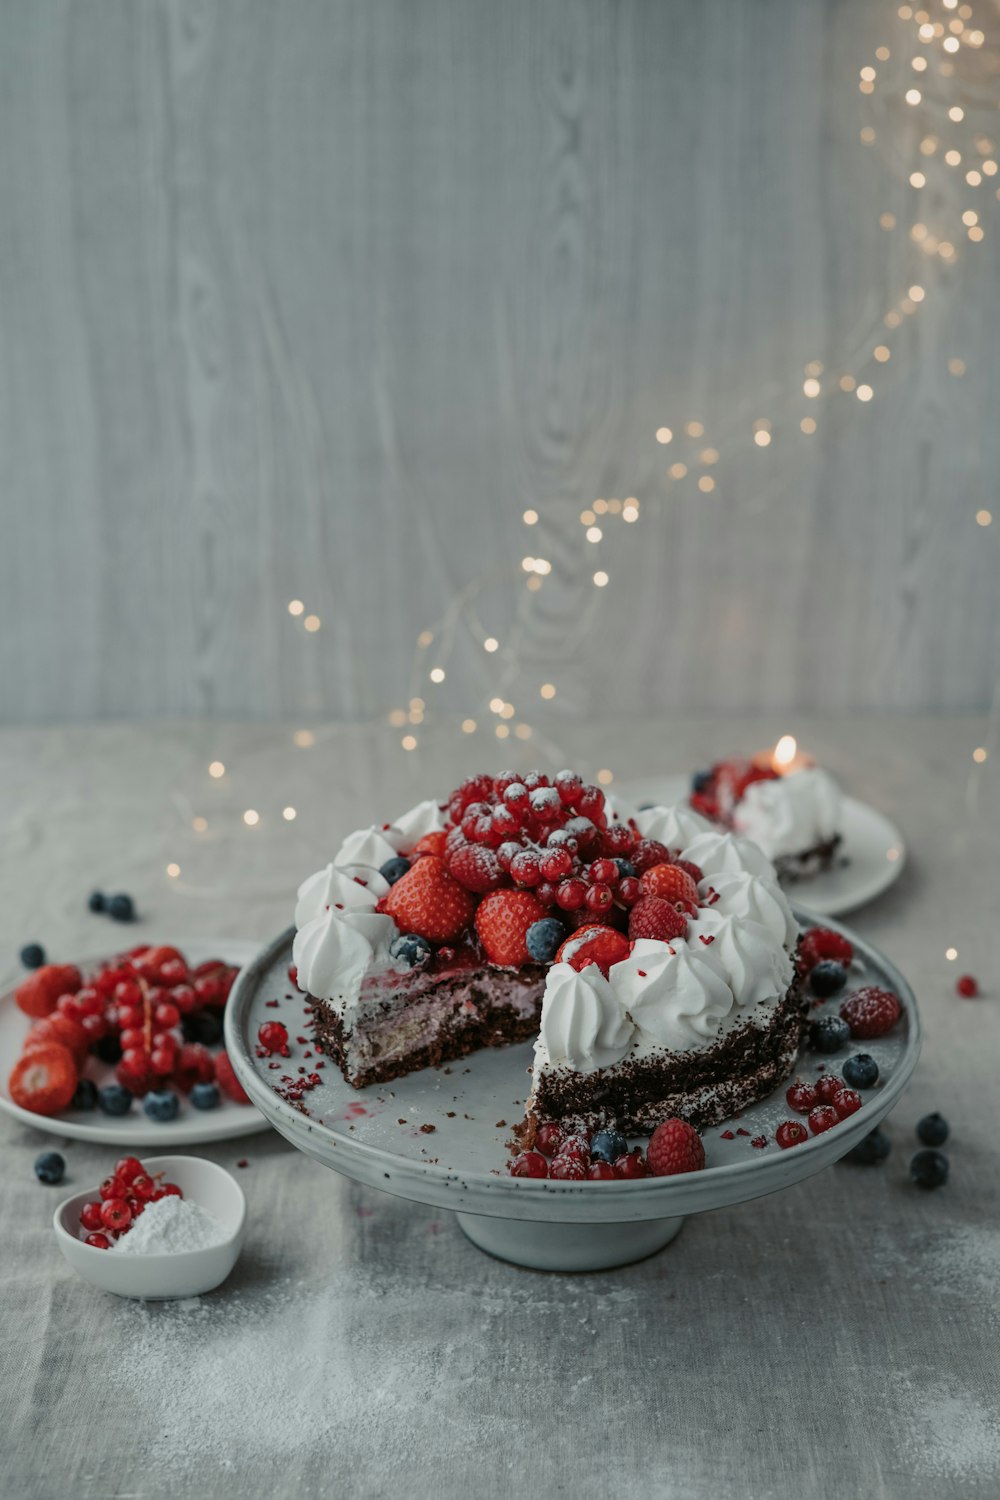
544,939
791,1133
819,943
114,1099
827,978
161,1105
85,1096
846,1102
96,901
873,1149
608,1145
933,1130
529,1164
829,1034
929,1169
32,955
50,1167
394,869
205,1095
827,1087
801,1096
861,1071
822,1118
967,987
871,1012
674,1147
120,908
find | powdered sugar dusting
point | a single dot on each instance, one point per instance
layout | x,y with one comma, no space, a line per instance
170,1226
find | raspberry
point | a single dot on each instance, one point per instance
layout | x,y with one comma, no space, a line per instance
647,853
690,868
827,1087
674,1147
529,1164
652,917
502,922
567,1169
801,1096
44,1081
477,868
671,884
819,943
871,1012
228,1081
548,1138
967,987
791,1133
846,1102
429,902
38,994
600,1171
602,946
632,1165
823,1117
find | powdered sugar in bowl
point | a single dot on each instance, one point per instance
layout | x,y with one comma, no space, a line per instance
204,1250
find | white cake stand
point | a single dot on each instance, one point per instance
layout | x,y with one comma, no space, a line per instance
439,1136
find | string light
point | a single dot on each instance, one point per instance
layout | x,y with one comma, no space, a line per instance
951,954
251,817
881,353
289,814
706,484
980,754
295,606
664,435
601,580
468,726
530,518
173,871
956,367
436,674
864,393
200,825
491,644
547,690
811,388
312,623
808,425
695,430
409,742
304,739
983,518
605,777
425,638
594,533
217,769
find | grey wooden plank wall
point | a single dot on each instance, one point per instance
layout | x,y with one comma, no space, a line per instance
312,299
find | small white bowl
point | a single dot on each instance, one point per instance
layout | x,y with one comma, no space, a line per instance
183,1273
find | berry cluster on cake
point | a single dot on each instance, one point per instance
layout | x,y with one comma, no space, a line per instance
649,954
792,812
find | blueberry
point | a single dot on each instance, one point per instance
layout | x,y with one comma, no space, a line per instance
205,1096
929,1169
50,1167
32,955
544,939
829,1034
411,951
933,1130
873,1149
86,1095
860,1071
121,908
394,869
114,1100
701,781
203,1026
108,1049
161,1105
608,1145
625,867
97,901
827,978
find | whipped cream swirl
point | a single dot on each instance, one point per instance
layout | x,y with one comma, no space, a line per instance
753,899
791,814
677,997
414,825
584,1025
755,966
333,889
334,951
673,827
721,854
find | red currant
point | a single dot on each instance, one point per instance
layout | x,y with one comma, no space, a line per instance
130,1017
505,823
605,871
548,1138
142,1187
571,894
207,989
567,1169
589,803
801,1096
98,1241
599,897
823,1117
600,1171
127,992
128,1168
184,998
506,853
273,1037
546,893
174,971
116,1214
534,779
166,1016
846,1102
517,797
827,1087
618,840
577,1146
95,1027
68,1005
170,1190
632,1165
525,867
90,1216
529,1164
556,863
791,1133
132,1037
112,1187
569,786
161,1061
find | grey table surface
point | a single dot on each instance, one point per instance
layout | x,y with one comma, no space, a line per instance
838,1338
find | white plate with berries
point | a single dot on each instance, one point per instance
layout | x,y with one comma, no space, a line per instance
74,1036
442,1136
867,863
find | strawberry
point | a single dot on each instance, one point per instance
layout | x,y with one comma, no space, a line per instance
653,917
45,1080
871,1012
66,1031
37,995
647,853
427,901
475,866
431,843
675,1146
227,1080
672,884
502,923
594,944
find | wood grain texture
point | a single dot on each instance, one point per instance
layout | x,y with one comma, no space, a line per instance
311,301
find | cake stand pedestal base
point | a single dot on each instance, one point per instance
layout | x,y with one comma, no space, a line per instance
568,1247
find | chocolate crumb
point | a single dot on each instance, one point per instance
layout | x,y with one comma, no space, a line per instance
428,1129
501,1124
451,1114
400,1122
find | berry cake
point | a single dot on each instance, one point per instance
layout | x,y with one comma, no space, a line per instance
648,954
793,814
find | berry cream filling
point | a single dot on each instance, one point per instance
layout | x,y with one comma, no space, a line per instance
792,813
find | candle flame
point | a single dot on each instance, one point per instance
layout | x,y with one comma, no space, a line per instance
785,751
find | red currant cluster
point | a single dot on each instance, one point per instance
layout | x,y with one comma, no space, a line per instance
123,1197
826,1102
568,1158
